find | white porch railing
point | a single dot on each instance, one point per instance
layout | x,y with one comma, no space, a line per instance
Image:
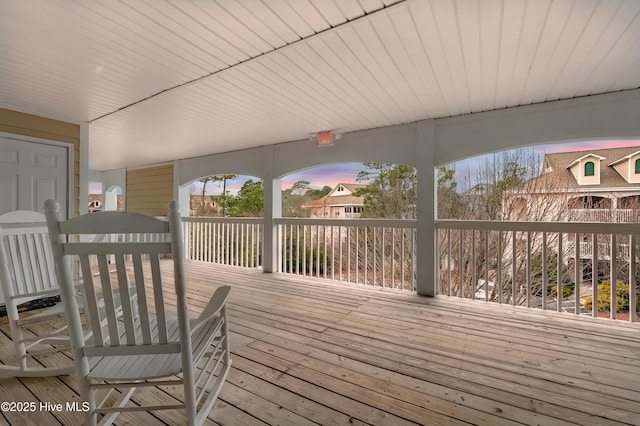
377,252
479,260
604,215
229,241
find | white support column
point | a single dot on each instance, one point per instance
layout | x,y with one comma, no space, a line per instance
83,174
426,209
272,210
181,192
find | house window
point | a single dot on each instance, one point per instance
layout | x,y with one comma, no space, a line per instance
589,169
638,166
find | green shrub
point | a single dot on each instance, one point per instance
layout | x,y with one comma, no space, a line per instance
567,290
604,297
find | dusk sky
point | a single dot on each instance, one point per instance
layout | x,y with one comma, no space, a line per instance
346,172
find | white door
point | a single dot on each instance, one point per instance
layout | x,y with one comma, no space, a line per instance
32,171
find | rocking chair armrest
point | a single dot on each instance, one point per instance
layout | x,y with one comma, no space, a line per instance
213,308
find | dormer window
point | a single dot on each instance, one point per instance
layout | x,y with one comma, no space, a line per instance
589,168
638,166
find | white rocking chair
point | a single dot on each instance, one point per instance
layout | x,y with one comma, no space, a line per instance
27,274
152,348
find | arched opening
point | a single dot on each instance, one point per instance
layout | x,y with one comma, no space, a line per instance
534,184
351,191
226,195
355,226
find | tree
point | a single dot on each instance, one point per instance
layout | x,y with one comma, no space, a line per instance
249,202
316,194
391,193
496,176
293,198
450,202
222,198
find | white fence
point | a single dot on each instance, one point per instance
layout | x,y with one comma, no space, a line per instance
533,264
377,252
229,241
539,265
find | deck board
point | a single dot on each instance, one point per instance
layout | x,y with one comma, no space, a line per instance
311,351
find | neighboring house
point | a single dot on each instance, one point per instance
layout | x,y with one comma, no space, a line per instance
197,206
600,185
96,203
340,203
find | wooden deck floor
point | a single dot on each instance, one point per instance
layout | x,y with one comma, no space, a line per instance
320,352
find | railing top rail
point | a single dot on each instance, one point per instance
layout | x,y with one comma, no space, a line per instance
379,223
566,227
209,219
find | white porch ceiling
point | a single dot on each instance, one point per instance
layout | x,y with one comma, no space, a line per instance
165,79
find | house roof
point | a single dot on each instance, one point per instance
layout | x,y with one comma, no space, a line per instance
590,154
164,80
338,200
351,187
626,157
561,177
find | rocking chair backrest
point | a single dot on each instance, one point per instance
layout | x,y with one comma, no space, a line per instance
27,268
121,333
145,341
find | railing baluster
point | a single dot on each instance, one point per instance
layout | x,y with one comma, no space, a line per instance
290,227
304,249
297,249
576,272
632,278
333,253
393,258
559,292
499,255
514,275
348,254
414,256
324,251
366,250
339,253
594,275
357,244
544,270
528,290
382,262
613,261
474,281
402,260
318,251
486,265
460,267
